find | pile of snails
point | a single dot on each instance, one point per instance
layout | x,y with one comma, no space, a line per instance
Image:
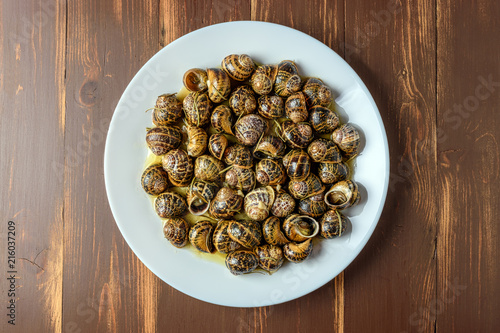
263,168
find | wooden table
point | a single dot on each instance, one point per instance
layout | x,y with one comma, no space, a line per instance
432,263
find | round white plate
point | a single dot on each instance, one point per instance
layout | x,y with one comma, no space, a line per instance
126,152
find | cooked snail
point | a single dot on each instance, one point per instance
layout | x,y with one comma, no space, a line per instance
195,79
200,236
330,173
324,150
238,67
167,111
238,155
222,119
199,196
217,145
297,135
226,204
208,168
298,252
161,139
243,179
241,262
297,164
243,101
283,205
347,138
271,107
222,242
248,129
295,107
269,146
263,78
299,228
175,230
179,167
343,194
271,231
287,79
197,108
197,141
219,85
314,206
333,224
322,119
170,204
316,93
245,233
270,172
302,189
154,179
258,203
270,257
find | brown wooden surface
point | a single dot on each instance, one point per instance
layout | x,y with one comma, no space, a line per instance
432,263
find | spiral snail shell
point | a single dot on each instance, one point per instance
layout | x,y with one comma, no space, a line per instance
167,111
270,257
222,242
249,129
199,196
331,173
217,144
238,155
324,150
226,204
297,164
302,189
222,119
271,231
219,85
271,107
208,168
343,194
245,233
197,108
287,79
316,93
283,205
243,101
270,172
296,108
258,203
197,141
298,252
299,228
195,79
161,139
241,262
348,139
170,204
269,146
238,67
175,230
314,206
179,167
263,78
243,179
201,236
333,224
322,119
297,135
154,179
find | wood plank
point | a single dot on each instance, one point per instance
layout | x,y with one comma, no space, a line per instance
32,39
391,45
468,166
106,288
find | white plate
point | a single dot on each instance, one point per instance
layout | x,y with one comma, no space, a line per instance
126,151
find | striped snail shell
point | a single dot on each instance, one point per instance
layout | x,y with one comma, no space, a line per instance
322,119
316,93
249,129
263,78
287,79
175,230
299,228
283,205
269,146
270,172
238,67
179,167
297,164
238,155
195,79
314,206
170,204
222,242
348,139
270,257
343,194
201,236
162,139
243,179
258,203
243,101
197,108
241,262
197,141
298,252
324,150
199,196
154,179
226,204
297,135
222,119
302,189
331,173
271,107
245,233
271,231
219,85
167,111
296,108
208,168
333,224
217,145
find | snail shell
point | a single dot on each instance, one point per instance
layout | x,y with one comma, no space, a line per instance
176,231
297,164
271,230
287,80
270,257
295,107
316,93
245,233
343,194
226,204
197,141
170,204
199,196
222,242
297,135
269,146
167,111
258,203
249,129
270,172
242,101
330,173
219,85
195,79
217,145
314,206
324,150
208,168
322,119
238,67
299,228
161,139
347,138
238,155
283,205
222,119
197,108
154,179
333,224
271,107
241,262
263,79
243,179
298,252
179,167
302,189
201,236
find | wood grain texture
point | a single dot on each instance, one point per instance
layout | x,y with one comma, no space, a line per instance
468,166
391,45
